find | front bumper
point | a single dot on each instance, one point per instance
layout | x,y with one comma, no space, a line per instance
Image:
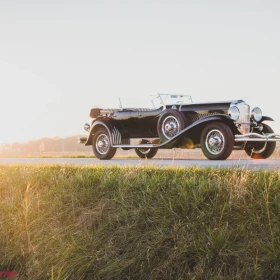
82,140
255,137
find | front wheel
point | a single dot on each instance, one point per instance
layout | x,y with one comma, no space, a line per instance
261,150
101,145
217,141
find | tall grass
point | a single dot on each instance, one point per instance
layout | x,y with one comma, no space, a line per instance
67,222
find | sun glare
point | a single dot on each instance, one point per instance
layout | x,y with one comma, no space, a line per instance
24,101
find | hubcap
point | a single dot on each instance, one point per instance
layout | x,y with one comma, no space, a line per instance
170,127
102,144
144,151
215,142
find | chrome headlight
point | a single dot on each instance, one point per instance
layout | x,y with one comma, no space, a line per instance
234,113
256,114
86,127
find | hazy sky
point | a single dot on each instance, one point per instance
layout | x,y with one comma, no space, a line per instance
59,58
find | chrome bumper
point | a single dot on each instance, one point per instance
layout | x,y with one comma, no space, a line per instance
255,137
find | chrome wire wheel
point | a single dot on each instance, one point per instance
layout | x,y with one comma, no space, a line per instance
170,127
102,144
215,142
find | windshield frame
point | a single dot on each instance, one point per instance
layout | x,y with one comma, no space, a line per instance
164,97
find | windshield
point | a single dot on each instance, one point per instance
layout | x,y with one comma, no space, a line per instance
171,99
150,102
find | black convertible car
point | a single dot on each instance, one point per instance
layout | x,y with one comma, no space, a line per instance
217,128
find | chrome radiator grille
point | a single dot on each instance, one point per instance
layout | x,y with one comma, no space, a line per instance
244,118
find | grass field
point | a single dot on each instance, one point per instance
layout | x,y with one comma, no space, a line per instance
67,222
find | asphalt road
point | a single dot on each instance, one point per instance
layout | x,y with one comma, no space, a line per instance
271,164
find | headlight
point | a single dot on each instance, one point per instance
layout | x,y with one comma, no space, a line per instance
234,113
256,114
86,127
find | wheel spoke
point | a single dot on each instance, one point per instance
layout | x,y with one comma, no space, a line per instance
102,144
214,142
170,127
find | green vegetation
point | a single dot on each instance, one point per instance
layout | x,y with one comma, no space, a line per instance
68,222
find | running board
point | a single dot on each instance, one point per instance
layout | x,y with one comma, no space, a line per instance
238,138
149,146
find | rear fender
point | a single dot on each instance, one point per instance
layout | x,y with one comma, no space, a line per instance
96,125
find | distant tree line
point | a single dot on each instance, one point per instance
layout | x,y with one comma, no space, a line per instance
46,145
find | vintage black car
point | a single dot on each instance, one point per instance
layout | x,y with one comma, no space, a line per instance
217,128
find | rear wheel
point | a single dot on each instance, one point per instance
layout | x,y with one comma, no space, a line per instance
170,123
217,141
101,145
261,150
146,152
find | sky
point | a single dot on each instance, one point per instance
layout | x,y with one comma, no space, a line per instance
60,58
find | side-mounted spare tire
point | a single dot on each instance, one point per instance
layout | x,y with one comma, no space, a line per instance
170,123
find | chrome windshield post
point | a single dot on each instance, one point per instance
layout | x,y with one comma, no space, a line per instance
120,103
161,100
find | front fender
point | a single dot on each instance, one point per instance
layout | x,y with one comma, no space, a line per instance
201,122
224,118
266,118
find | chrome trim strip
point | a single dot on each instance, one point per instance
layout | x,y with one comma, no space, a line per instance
120,138
116,137
113,136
